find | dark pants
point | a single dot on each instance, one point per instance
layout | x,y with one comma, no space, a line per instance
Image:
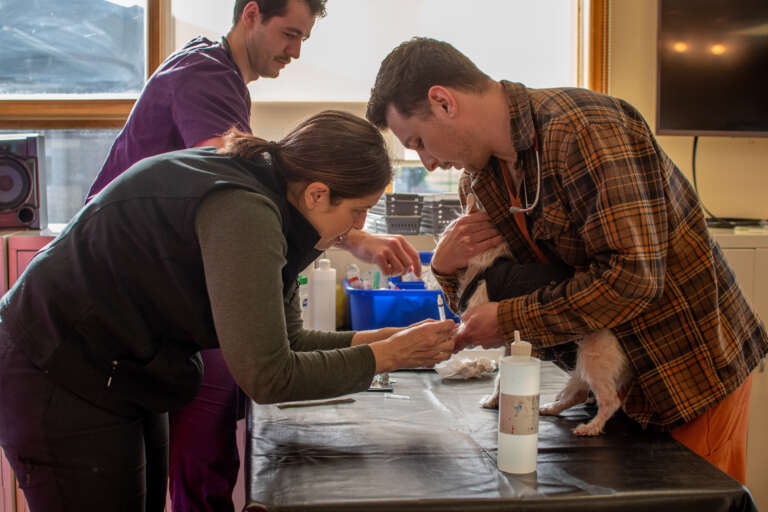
69,455
204,458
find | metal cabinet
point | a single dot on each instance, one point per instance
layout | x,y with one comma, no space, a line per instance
747,255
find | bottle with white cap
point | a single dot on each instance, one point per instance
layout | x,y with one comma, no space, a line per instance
323,298
518,409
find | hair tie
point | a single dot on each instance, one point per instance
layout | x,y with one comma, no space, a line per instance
272,146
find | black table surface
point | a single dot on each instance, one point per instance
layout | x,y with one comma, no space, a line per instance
436,450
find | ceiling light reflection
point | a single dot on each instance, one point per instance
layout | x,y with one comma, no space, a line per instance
717,49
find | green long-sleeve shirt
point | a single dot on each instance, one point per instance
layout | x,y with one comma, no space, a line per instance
270,355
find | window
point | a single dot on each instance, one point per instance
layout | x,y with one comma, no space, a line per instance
340,60
77,64
92,48
71,71
192,18
49,81
412,177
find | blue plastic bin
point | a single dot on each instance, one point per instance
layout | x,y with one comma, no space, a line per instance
406,285
373,309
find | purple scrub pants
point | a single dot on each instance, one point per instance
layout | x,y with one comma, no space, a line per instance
203,451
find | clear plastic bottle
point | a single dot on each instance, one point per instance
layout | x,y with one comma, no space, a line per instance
410,276
304,302
323,298
353,276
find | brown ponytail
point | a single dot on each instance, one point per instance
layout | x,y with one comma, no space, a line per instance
344,151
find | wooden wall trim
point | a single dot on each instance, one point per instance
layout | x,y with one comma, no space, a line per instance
599,23
154,35
47,114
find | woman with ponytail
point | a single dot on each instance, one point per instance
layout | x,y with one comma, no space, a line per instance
186,251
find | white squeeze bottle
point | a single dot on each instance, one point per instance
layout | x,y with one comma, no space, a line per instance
323,297
519,409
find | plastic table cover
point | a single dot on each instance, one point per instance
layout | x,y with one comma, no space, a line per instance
436,450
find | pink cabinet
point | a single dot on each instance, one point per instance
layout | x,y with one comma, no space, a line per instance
21,249
7,487
11,497
16,250
4,236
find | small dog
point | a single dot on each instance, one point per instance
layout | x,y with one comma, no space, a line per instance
601,364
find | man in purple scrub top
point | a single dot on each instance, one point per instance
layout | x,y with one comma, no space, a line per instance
196,95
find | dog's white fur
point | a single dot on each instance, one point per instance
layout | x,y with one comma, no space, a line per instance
601,364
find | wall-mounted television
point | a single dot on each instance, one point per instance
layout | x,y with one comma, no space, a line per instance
712,68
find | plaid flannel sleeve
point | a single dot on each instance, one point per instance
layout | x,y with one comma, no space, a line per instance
614,185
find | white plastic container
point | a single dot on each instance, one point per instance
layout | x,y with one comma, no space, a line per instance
519,414
323,297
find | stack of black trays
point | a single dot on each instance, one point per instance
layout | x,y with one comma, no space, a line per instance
438,212
396,214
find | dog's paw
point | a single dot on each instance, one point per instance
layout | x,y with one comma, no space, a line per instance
588,429
490,401
550,409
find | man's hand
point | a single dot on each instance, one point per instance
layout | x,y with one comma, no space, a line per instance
480,327
392,253
470,235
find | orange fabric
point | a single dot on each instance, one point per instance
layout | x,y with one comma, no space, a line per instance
514,200
720,434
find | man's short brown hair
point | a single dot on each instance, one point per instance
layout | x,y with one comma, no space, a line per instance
407,73
272,8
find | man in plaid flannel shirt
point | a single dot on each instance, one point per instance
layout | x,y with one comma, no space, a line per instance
613,207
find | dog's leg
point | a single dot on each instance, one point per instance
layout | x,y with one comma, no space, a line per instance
603,365
575,392
492,401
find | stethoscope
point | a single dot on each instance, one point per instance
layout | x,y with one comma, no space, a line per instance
519,209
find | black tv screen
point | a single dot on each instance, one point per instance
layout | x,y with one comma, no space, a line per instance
712,68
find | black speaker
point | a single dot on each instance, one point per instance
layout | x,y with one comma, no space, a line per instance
22,181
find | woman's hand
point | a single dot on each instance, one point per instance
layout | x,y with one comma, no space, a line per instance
392,253
420,345
468,236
